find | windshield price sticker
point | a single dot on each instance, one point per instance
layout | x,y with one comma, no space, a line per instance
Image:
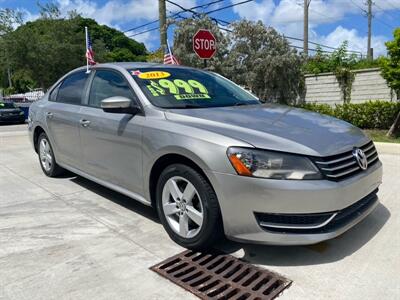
153,75
181,89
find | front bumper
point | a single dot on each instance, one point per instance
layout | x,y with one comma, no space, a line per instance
12,119
241,198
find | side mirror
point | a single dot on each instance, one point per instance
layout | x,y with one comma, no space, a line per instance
119,105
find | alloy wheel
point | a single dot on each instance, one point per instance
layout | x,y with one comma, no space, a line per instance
46,157
182,207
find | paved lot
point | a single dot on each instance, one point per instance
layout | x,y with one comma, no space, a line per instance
69,238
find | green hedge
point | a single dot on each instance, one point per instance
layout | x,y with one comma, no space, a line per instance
368,115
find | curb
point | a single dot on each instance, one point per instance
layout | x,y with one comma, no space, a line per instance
387,148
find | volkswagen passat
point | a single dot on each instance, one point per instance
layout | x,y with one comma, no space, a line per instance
207,154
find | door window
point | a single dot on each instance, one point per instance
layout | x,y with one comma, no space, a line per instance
71,90
108,84
53,93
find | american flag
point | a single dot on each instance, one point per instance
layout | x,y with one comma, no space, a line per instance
89,50
169,58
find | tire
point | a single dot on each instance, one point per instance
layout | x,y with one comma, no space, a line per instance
197,235
45,152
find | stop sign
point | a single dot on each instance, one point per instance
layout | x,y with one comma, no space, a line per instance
204,44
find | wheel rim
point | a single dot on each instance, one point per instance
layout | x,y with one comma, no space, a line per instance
46,157
182,207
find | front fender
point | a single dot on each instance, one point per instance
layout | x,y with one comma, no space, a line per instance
209,155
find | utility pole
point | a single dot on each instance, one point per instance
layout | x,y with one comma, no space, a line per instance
369,14
305,37
163,24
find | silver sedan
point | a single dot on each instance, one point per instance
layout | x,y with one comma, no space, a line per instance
209,156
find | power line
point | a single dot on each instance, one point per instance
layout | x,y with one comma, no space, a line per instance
317,12
359,7
195,13
382,10
366,12
218,21
145,31
318,44
175,14
391,5
385,12
384,23
141,26
228,6
199,6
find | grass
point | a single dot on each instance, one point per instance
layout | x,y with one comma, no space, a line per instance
380,136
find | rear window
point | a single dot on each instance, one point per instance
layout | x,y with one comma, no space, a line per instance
71,90
189,88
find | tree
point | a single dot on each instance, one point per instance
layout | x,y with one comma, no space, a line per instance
8,19
41,51
252,55
183,43
156,56
49,10
391,72
262,60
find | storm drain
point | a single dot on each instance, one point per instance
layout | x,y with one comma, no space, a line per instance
221,276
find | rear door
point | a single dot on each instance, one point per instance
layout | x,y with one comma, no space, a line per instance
62,117
111,142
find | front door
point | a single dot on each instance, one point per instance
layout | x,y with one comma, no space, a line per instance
111,142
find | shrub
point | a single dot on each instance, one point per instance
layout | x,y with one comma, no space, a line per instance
319,108
368,115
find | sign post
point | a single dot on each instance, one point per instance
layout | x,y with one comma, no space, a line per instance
204,45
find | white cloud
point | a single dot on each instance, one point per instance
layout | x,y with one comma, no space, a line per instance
287,18
356,42
254,10
118,11
147,38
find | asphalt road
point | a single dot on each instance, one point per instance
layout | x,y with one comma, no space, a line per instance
69,238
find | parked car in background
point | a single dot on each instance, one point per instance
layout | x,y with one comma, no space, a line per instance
207,154
10,113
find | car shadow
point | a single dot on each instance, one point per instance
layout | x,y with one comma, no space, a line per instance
322,253
118,198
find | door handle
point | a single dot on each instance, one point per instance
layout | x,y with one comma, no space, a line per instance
84,123
49,115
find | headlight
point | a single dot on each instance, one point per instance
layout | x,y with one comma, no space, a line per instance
273,165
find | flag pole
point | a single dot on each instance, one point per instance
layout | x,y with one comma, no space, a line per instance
87,47
169,49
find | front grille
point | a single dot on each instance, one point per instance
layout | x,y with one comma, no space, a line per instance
344,165
294,223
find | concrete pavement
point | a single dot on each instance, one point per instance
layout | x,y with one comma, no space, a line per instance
69,238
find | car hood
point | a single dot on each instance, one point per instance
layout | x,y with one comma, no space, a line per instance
275,127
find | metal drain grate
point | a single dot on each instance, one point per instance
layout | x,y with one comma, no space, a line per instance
221,276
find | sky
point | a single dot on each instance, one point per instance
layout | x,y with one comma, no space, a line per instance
330,21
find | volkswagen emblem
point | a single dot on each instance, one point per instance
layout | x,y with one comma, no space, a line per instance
361,159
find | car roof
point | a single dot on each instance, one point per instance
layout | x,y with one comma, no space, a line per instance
138,65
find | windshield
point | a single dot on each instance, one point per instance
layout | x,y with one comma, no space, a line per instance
189,88
7,105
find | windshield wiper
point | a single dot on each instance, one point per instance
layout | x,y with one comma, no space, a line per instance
189,106
240,104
